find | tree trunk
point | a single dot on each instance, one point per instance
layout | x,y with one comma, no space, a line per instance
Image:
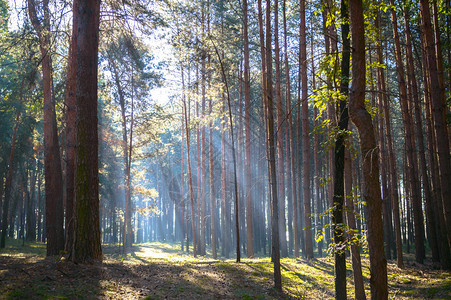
371,187
268,93
411,161
52,160
438,114
432,236
188,162
305,136
70,133
279,137
87,245
339,192
393,178
247,125
9,177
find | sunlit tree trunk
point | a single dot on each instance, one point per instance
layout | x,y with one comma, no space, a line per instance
371,185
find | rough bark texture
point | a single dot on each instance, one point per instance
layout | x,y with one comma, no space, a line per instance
52,157
87,247
371,185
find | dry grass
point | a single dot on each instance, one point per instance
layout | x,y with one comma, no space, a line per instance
161,271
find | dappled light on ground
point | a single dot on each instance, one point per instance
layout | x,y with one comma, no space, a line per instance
162,271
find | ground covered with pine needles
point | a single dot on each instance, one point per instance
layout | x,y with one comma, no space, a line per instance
161,271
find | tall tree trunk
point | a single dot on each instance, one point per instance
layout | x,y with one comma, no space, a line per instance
411,161
87,245
279,137
212,187
339,192
438,114
70,132
247,125
291,141
432,236
188,162
237,224
52,158
268,93
391,157
305,136
371,187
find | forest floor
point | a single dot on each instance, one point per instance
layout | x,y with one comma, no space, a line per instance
161,271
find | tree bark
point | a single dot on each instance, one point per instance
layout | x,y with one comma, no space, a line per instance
87,247
410,146
305,136
70,132
268,93
393,177
247,125
432,236
371,187
339,192
52,157
438,114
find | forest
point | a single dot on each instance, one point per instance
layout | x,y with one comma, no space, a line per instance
225,149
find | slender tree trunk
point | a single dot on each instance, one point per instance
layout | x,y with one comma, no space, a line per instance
212,187
247,125
393,177
371,188
70,133
268,93
411,161
305,136
359,291
188,162
432,236
52,159
339,192
291,141
438,114
279,137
